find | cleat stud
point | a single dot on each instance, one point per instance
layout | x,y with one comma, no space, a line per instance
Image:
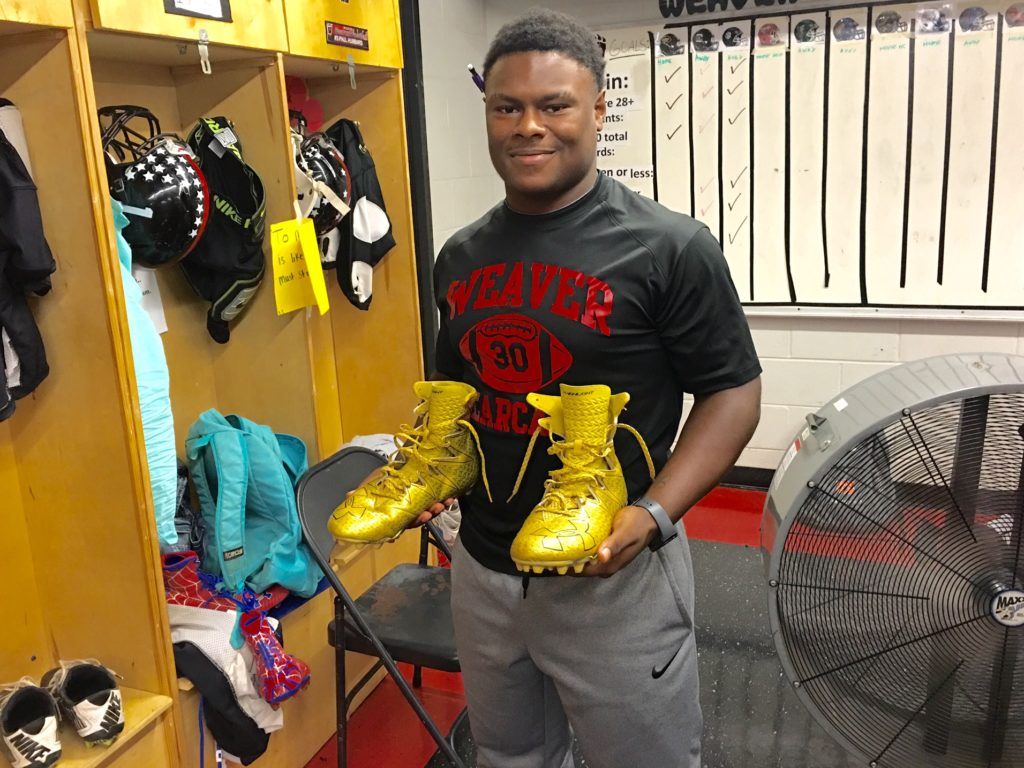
562,570
578,568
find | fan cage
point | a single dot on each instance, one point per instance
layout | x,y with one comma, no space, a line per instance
886,582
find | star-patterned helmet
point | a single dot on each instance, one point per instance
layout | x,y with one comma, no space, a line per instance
321,178
156,179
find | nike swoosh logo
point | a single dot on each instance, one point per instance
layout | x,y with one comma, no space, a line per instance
656,673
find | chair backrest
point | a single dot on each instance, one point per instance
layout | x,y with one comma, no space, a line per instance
322,489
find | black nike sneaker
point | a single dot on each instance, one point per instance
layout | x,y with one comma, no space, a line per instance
28,725
89,698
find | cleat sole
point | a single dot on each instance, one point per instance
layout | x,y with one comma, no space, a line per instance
561,568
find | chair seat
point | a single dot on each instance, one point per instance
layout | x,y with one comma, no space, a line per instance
409,610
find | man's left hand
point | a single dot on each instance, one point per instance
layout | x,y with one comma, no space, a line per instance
632,530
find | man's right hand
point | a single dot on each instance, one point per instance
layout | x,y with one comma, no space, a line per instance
425,516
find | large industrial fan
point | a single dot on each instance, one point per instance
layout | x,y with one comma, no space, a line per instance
892,541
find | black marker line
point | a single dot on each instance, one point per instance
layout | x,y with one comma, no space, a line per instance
689,95
910,146
654,117
721,121
753,206
864,169
945,162
824,146
786,177
992,169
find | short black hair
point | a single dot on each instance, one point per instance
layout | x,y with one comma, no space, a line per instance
544,30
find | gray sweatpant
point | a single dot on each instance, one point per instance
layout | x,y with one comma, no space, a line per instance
614,658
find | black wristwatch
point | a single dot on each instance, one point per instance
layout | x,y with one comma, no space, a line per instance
666,528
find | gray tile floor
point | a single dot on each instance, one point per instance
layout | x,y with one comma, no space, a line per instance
752,719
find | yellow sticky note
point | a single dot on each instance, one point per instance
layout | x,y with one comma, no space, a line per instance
298,275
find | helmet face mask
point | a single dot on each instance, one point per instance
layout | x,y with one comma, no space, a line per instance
158,182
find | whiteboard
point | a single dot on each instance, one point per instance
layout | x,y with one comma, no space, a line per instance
851,160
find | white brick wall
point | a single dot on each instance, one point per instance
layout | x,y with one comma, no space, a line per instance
806,361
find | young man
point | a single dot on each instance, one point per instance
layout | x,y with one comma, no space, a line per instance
620,291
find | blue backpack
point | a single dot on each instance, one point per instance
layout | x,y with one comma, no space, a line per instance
245,477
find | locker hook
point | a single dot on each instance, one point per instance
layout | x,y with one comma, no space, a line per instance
204,52
352,72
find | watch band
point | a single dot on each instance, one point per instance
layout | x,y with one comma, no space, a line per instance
666,528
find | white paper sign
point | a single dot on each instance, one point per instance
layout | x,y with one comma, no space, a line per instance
151,302
211,8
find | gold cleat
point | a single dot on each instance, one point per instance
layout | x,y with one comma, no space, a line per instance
438,459
581,499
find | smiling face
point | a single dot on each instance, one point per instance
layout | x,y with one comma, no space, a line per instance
544,111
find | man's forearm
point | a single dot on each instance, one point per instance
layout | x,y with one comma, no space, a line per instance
717,430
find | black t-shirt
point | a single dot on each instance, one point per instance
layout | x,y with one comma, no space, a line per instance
614,289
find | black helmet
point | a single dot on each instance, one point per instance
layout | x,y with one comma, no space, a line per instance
976,19
807,31
889,22
704,40
733,37
670,44
156,179
320,175
847,29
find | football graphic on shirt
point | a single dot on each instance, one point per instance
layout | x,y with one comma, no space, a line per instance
514,353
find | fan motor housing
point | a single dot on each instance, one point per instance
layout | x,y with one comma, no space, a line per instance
839,521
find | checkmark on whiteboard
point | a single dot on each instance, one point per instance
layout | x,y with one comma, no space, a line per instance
732,184
672,135
732,120
707,123
674,101
668,78
735,201
733,90
735,234
732,70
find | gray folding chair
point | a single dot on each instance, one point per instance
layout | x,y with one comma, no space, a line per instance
419,632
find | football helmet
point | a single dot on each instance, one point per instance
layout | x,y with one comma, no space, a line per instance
704,40
768,35
669,44
734,37
322,178
808,31
158,182
889,22
932,21
976,19
847,29
1015,15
